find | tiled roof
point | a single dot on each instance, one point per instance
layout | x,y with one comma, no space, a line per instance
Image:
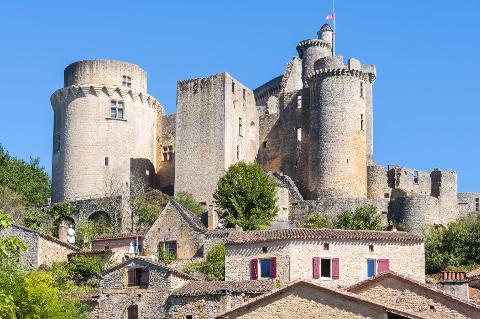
197,288
48,237
358,287
241,237
189,217
220,233
474,273
155,263
474,295
90,252
337,292
118,236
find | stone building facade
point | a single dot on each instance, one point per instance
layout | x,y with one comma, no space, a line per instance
332,257
312,124
41,249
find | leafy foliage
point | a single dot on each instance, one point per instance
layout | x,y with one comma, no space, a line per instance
246,196
10,247
86,266
86,230
29,180
364,217
457,246
146,208
213,268
10,201
186,200
166,256
316,221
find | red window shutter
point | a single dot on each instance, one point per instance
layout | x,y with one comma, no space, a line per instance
131,276
335,268
273,267
254,269
145,277
383,265
316,267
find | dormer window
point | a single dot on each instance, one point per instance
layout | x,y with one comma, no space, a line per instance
117,109
127,81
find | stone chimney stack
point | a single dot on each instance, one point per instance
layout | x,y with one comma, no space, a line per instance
62,231
455,283
212,217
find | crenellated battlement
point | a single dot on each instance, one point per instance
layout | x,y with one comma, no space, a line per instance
312,43
341,72
73,92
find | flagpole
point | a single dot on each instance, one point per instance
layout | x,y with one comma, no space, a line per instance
334,29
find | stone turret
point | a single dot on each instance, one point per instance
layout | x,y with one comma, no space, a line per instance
105,129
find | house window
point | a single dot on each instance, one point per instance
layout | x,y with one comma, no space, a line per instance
299,134
137,277
244,94
377,266
264,144
240,126
326,268
127,81
116,109
361,89
105,161
238,152
386,195
167,153
188,317
326,246
265,268
477,204
233,87
299,102
132,312
264,250
415,177
370,248
361,122
169,246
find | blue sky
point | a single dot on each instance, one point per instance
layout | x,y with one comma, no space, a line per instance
427,53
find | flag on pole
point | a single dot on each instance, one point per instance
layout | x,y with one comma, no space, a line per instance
330,17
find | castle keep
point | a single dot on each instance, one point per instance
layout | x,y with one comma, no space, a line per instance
311,127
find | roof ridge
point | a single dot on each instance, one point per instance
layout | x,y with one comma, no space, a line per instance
189,216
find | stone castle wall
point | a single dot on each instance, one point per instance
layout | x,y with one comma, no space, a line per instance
166,155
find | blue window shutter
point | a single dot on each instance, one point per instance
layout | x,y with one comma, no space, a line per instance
370,268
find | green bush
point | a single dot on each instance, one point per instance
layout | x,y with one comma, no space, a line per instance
166,256
186,200
246,196
86,266
86,230
364,217
316,221
213,267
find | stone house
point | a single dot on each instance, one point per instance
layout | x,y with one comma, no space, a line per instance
332,257
302,299
41,249
119,243
396,290
207,299
136,288
176,230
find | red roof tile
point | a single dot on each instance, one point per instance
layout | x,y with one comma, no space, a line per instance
196,288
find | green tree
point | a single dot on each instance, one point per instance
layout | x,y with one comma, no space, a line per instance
246,196
316,221
364,217
146,207
29,180
10,201
213,267
10,247
186,200
86,230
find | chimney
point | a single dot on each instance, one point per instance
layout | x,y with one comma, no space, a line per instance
454,283
391,227
62,231
212,217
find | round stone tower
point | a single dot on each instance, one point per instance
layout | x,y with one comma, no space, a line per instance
105,129
313,49
337,128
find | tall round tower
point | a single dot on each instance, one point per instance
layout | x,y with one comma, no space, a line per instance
337,128
313,49
104,132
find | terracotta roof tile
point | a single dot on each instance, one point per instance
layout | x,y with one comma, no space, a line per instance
196,288
242,237
474,295
118,236
474,273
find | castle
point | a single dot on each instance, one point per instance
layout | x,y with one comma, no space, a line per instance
311,126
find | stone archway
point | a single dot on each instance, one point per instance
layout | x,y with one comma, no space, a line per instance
100,216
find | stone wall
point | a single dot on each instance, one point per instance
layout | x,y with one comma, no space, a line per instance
30,257
468,203
295,259
403,183
308,302
444,187
121,245
166,155
377,182
50,251
417,300
415,211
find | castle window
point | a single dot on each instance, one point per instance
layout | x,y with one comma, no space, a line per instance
299,102
105,161
415,177
165,153
238,152
361,122
477,204
361,89
240,126
299,134
132,312
116,109
244,94
170,152
127,81
233,87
